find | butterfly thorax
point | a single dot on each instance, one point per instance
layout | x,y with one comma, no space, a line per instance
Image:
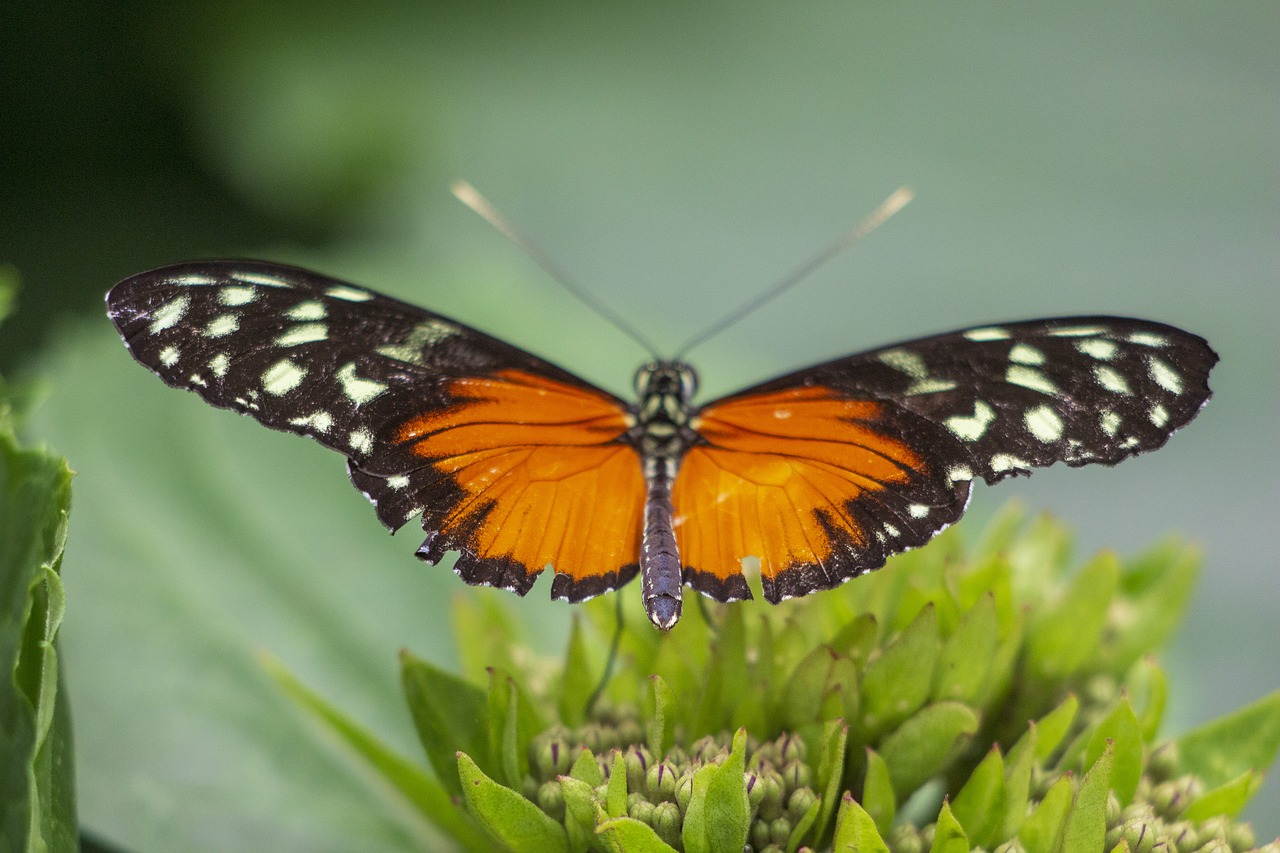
662,413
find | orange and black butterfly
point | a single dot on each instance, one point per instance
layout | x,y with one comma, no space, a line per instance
519,465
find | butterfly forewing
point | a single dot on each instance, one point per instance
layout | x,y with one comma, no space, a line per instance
399,390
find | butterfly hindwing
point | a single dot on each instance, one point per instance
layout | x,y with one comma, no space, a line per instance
435,418
850,461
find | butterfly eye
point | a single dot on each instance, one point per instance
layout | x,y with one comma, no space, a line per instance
688,382
644,378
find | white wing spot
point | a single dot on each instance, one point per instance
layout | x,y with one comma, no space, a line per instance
222,325
197,379
1159,415
988,333
1007,462
880,537
1149,339
282,377
361,440
320,421
421,337
1131,441
169,356
1164,375
1029,377
349,294
359,391
782,414
305,333
1110,422
169,314
259,278
1078,331
905,361
1111,379
971,427
1026,354
237,295
1044,423
1099,348
193,279
220,364
309,310
918,510
956,473
398,482
892,531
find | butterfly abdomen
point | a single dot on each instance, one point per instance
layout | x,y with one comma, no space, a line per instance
661,573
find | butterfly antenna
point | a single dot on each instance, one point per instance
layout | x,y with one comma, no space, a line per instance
613,656
887,208
472,198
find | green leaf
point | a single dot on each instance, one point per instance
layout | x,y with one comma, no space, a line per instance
1225,748
1043,828
628,835
427,795
586,768
897,683
728,814
948,835
450,716
1147,682
878,799
1157,588
694,831
1227,800
661,717
926,743
512,724
1119,731
725,685
1086,827
806,827
511,819
979,807
615,798
1017,783
965,660
819,689
579,677
1053,727
835,736
580,809
1066,636
37,785
484,634
856,830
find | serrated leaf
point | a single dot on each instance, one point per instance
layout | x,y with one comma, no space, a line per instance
660,717
429,796
878,800
965,660
628,835
948,835
897,683
579,678
1043,828
979,807
1066,636
1227,800
511,819
926,743
1225,748
1086,827
728,813
856,830
450,716
1119,731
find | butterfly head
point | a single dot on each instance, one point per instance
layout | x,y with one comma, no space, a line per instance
673,379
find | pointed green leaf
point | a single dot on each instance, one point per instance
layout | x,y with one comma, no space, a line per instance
615,800
429,796
897,683
1227,800
821,672
661,722
580,809
856,830
1157,587
1017,784
1086,828
728,814
1053,727
511,819
580,676
1066,636
1043,828
980,805
948,835
694,831
1148,684
449,715
926,743
628,835
484,634
965,660
1121,731
856,638
512,725
806,827
1223,749
835,736
727,682
878,799
586,768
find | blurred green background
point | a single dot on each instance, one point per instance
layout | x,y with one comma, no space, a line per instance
676,158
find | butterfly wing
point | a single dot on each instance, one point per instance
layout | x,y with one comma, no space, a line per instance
512,461
826,472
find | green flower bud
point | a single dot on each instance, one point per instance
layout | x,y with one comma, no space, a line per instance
791,748
551,754
1169,799
551,799
772,795
797,775
905,838
637,763
667,822
1240,837
779,830
684,791
799,802
759,835
1164,763
660,782
639,808
755,791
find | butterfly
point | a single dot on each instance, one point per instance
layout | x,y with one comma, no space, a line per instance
519,465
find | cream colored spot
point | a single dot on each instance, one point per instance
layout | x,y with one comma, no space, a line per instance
398,482
220,364
222,325
197,379
1078,331
349,294
320,421
237,295
892,531
1110,422
282,377
1029,377
169,356
987,333
972,427
194,279
169,314
361,440
359,391
1044,423
905,361
782,414
1007,462
918,510
421,337
1149,339
259,278
1164,375
1099,348
1026,354
1111,379
1159,415
305,333
309,310
957,473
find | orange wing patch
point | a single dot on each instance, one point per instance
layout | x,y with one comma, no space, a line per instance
809,482
543,481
